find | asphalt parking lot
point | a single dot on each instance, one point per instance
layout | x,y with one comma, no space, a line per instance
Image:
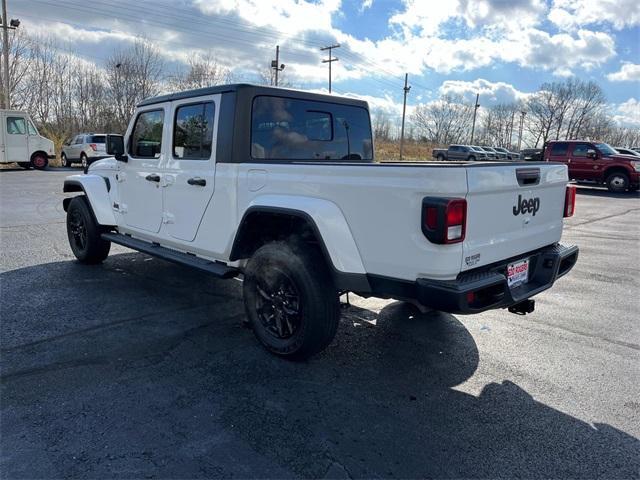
138,368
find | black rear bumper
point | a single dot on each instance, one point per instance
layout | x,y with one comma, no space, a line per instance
486,288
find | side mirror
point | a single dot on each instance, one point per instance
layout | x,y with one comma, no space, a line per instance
592,154
115,147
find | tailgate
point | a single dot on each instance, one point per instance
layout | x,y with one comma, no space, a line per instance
511,210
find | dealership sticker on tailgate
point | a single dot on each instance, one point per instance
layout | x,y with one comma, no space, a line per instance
518,273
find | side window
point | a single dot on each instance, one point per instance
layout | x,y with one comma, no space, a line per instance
305,130
146,136
77,140
559,149
193,131
580,149
16,126
32,129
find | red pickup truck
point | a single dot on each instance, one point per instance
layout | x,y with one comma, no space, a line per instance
595,162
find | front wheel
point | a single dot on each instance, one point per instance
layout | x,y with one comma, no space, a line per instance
290,299
471,158
85,161
617,182
64,162
440,158
84,233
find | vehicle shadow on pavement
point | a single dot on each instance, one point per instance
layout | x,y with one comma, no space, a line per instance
139,368
592,191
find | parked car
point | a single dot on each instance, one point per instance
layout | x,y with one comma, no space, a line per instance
21,143
498,155
456,152
279,186
626,151
531,155
595,162
490,154
84,149
480,154
510,155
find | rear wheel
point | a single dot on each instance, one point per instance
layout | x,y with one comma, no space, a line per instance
617,182
290,299
440,157
39,161
84,233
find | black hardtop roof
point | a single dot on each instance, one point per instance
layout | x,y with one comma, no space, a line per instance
575,141
255,90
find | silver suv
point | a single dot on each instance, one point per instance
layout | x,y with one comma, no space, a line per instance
84,148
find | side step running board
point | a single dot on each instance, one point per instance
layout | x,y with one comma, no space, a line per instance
217,269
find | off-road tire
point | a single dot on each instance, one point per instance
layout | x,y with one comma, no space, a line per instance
617,182
84,233
302,266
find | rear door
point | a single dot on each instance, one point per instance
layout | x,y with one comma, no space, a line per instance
512,210
16,139
189,175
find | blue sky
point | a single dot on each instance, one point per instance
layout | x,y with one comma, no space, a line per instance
503,49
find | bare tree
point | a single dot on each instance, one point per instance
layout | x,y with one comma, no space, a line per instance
444,121
132,74
200,72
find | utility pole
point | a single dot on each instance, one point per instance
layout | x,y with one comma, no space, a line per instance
330,60
404,109
12,25
522,114
275,64
475,110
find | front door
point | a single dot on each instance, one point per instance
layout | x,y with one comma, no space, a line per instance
17,141
140,177
190,168
583,167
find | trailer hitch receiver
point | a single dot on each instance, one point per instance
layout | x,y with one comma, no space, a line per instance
524,307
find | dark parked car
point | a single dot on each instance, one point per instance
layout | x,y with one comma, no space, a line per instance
627,151
531,154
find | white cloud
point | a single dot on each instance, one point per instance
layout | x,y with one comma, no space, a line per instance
491,93
573,14
628,113
366,4
629,72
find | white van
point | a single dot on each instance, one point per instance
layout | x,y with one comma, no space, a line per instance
21,143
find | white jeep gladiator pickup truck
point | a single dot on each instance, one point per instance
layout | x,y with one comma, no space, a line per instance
280,187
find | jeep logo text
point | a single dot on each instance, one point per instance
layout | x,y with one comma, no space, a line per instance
526,206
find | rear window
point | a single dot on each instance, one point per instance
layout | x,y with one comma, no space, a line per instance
97,139
559,148
292,129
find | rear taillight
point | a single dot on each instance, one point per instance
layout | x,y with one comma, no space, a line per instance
444,219
570,201
93,146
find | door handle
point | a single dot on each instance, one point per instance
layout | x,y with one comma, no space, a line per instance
152,177
201,182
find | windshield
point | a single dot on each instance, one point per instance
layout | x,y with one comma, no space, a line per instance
500,149
605,149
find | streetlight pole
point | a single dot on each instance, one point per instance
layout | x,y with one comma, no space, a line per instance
475,110
404,109
522,114
275,64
